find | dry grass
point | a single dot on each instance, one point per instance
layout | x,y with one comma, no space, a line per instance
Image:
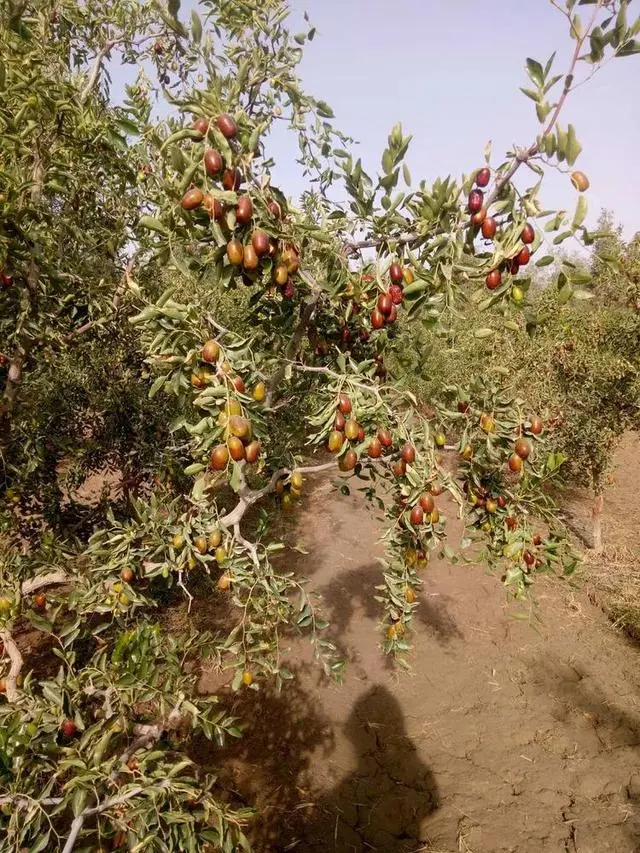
613,578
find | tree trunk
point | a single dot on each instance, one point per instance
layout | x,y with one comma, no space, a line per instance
596,518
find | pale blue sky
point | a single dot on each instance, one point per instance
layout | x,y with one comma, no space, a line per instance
450,71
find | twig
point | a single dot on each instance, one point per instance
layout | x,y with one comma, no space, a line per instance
369,389
185,590
95,70
17,661
15,657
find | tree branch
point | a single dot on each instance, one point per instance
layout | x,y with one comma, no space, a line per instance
12,650
33,584
522,155
525,155
78,822
294,344
147,734
95,70
15,657
249,498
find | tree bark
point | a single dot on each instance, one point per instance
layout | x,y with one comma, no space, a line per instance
596,518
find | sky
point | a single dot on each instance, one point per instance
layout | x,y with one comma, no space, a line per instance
450,72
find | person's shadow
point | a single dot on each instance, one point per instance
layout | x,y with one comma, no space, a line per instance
383,802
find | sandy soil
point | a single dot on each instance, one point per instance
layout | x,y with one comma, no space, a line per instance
508,734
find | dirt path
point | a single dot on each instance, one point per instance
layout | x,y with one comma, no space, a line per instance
508,735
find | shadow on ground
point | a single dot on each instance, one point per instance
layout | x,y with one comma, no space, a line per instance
382,803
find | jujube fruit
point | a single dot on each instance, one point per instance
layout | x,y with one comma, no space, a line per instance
252,452
483,177
213,162
236,448
219,458
377,319
489,228
349,461
493,279
232,179
375,448
192,199
200,124
395,273
335,441
235,252
344,404
226,125
260,242
408,454
528,234
244,210
476,200
250,259
515,463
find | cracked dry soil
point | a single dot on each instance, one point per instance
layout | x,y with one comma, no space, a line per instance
507,735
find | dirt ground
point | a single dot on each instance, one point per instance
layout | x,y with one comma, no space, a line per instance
508,734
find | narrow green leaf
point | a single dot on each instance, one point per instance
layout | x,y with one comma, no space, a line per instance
196,27
581,212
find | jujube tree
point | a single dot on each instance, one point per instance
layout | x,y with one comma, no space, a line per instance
96,232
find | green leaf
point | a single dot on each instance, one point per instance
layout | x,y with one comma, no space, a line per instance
483,333
583,294
127,126
179,135
530,93
406,174
324,109
581,212
157,385
152,224
534,69
196,27
545,261
629,48
197,493
573,147
235,480
196,468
